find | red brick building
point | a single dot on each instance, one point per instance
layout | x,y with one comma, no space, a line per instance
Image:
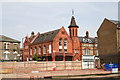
56,45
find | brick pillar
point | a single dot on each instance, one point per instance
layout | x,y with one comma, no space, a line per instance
53,57
46,58
63,56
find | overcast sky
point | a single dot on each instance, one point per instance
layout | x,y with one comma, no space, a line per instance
21,18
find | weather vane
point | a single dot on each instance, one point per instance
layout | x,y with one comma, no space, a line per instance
72,12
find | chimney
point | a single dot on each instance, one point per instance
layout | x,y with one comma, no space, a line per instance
32,34
87,34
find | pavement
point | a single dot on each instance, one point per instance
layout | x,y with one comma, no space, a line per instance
59,74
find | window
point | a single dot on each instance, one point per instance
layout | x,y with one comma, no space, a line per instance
15,55
89,40
60,42
90,44
6,45
76,32
6,55
65,50
96,53
40,49
84,44
65,45
50,49
65,42
70,32
63,32
60,50
76,51
44,49
30,51
35,50
87,51
95,45
73,32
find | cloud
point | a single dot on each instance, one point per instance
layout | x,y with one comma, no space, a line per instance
21,26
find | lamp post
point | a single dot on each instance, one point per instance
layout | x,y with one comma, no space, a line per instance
22,47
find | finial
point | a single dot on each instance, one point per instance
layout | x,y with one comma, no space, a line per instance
72,12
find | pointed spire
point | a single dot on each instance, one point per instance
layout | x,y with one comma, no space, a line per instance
73,23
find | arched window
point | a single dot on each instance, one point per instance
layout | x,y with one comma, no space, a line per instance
65,42
60,42
40,50
65,45
60,45
6,55
30,51
73,32
15,55
70,32
35,50
44,50
76,31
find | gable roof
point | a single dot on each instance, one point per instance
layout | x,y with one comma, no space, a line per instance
86,40
31,38
45,37
116,22
7,39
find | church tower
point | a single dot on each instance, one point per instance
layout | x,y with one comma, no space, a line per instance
73,32
73,28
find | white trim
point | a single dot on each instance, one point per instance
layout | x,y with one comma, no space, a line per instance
50,48
15,52
15,43
7,52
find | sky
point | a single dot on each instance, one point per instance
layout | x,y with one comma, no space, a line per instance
21,18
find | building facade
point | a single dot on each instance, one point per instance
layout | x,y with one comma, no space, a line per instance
90,56
109,41
9,49
57,45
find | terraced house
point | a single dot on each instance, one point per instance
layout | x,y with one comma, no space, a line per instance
9,49
57,45
90,56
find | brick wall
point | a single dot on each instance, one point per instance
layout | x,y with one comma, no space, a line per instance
28,67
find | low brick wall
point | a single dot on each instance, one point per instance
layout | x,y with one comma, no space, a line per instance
28,67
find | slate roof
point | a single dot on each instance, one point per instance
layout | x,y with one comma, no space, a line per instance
73,23
31,37
45,37
8,39
86,40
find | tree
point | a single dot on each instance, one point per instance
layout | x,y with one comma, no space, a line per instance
35,57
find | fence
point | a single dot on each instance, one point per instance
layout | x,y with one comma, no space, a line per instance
27,67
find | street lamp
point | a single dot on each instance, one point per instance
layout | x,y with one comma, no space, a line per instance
22,47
